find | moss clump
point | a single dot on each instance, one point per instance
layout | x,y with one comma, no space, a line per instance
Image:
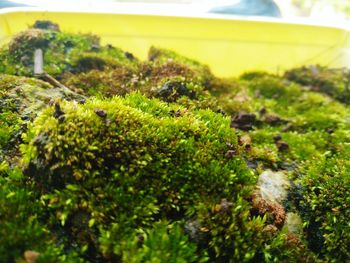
333,82
150,160
159,161
21,215
169,81
62,52
325,205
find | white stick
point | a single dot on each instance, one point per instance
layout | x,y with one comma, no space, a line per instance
38,62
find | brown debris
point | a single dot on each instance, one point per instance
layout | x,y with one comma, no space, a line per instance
273,119
31,256
264,206
241,97
282,146
230,154
277,137
100,113
224,206
270,230
288,127
243,121
58,114
129,56
262,111
245,140
293,240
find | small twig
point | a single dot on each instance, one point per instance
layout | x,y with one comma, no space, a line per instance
48,78
40,73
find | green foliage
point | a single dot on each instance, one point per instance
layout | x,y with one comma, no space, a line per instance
332,82
99,169
21,223
147,166
20,229
63,52
163,243
20,100
325,204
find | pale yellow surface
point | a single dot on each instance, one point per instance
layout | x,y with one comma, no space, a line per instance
228,46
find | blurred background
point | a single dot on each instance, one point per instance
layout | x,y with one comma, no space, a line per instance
330,10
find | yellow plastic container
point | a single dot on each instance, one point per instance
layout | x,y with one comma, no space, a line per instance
229,45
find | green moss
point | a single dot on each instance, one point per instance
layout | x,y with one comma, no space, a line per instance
130,162
163,243
20,101
62,52
167,169
325,205
21,218
333,82
171,82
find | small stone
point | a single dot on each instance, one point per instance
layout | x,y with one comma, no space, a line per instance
257,94
330,130
230,145
225,205
31,256
277,137
252,164
140,239
173,90
178,113
270,230
129,56
95,47
58,111
100,113
294,223
314,70
282,146
241,97
273,119
193,228
245,140
288,127
51,102
243,121
263,111
230,154
288,166
25,59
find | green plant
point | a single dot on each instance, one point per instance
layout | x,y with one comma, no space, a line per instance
325,205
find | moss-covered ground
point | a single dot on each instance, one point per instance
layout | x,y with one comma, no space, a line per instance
159,160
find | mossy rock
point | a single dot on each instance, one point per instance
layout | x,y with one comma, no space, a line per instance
21,99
